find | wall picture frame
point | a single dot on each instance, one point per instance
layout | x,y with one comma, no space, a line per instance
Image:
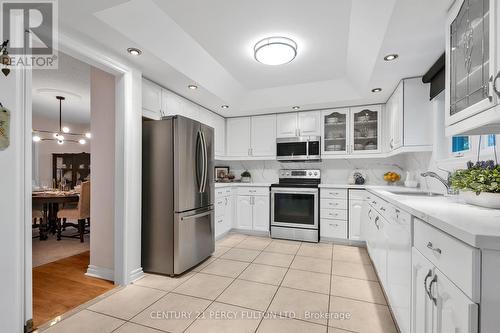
220,172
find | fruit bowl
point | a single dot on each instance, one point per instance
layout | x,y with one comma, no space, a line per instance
392,177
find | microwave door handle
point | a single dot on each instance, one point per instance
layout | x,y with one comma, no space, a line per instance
307,149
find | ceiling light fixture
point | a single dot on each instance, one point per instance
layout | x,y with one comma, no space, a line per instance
225,106
134,51
275,51
193,87
391,57
376,90
57,136
296,108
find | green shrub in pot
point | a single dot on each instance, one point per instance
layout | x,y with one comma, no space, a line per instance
479,184
246,176
484,176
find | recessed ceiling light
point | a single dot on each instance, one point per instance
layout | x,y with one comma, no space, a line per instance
65,129
36,138
134,51
193,87
296,107
376,90
82,141
88,135
275,51
391,57
225,106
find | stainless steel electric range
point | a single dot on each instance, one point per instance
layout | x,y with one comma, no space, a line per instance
295,205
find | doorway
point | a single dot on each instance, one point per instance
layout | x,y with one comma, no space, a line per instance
73,158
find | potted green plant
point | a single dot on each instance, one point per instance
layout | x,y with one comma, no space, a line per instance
246,177
479,184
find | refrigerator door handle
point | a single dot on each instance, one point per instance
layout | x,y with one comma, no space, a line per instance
200,175
205,163
195,216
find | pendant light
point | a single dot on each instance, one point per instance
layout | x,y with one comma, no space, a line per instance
58,136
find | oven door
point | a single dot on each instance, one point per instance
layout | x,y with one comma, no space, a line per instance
294,207
290,149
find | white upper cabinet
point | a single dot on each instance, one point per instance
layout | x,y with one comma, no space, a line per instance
472,67
263,136
151,100
365,129
408,114
252,137
298,124
238,136
335,132
309,123
287,125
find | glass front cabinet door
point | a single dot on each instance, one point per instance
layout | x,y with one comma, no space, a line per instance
335,131
472,77
365,129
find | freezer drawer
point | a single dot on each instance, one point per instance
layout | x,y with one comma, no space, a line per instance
194,238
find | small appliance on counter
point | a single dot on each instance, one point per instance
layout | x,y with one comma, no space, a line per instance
357,177
295,205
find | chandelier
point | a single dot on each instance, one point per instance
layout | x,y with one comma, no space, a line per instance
63,135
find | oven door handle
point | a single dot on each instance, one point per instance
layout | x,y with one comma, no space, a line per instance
291,190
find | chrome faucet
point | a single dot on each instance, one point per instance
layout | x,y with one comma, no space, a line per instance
446,182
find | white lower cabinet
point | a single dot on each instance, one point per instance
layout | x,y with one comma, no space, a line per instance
438,306
356,205
253,210
224,211
333,215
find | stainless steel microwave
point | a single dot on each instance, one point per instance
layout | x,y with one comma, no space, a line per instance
297,149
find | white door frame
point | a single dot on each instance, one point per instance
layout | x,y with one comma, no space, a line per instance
128,173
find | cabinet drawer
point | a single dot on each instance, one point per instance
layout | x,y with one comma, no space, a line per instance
337,214
333,204
357,194
333,228
220,206
334,193
457,260
253,190
221,191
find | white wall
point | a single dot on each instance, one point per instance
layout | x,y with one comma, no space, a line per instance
102,160
12,201
44,149
332,171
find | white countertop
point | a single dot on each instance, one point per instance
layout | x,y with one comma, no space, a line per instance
217,185
476,226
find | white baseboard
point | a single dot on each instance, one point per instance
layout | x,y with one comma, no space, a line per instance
136,274
100,272
250,232
342,241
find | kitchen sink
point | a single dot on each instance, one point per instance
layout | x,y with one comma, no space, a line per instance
417,194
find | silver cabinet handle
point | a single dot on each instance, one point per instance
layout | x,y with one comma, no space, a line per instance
427,277
391,144
376,223
334,224
495,84
382,209
432,298
435,249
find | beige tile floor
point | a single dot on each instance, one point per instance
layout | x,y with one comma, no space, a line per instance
250,284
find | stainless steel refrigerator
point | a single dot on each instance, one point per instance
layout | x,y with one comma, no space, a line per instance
177,194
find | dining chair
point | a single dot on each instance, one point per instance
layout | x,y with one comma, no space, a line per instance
80,213
36,214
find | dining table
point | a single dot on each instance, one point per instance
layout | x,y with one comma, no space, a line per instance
50,201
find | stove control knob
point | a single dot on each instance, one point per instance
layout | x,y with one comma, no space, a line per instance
315,173
310,173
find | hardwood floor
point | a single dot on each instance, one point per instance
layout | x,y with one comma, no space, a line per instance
62,285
